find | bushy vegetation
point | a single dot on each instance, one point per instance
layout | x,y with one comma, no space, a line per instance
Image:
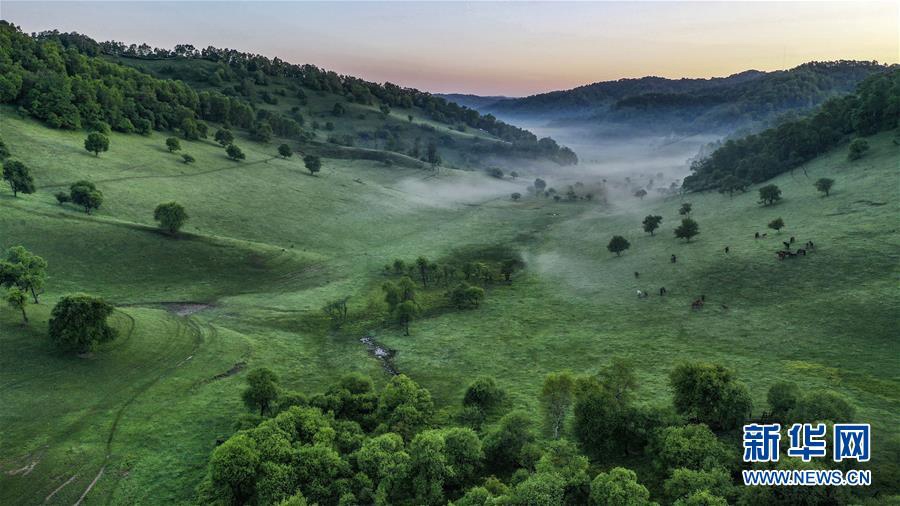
875,107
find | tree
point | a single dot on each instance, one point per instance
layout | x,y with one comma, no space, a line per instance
509,266
556,401
285,151
86,195
651,223
641,193
516,196
234,466
173,144
857,149
514,175
187,159
78,323
313,164
96,143
687,230
824,185
62,197
262,390
685,483
731,183
234,152
782,398
618,244
4,151
496,172
619,487
503,446
465,296
709,393
224,137
484,394
539,185
404,313
769,194
685,209
690,447
776,224
24,270
17,299
171,216
432,156
18,176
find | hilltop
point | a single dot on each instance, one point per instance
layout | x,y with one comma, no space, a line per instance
746,99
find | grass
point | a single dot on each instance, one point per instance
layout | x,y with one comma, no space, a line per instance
267,245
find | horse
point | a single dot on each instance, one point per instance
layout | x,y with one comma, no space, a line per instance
756,236
637,274
674,259
801,251
727,249
697,305
787,245
792,239
663,291
641,294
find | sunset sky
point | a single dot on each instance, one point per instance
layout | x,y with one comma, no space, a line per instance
488,48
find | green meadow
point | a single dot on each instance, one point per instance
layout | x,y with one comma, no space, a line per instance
267,245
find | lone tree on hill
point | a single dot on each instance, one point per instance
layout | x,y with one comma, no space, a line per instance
651,223
857,149
405,312
432,156
96,143
313,164
18,176
262,390
285,151
539,185
685,209
173,144
641,193
688,229
516,196
769,194
776,224
224,137
17,299
824,185
23,269
78,323
171,216
234,152
86,195
618,244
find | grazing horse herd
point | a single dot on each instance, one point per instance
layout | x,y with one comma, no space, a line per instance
697,304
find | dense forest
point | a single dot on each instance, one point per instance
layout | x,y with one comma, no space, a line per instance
354,444
875,107
747,98
64,80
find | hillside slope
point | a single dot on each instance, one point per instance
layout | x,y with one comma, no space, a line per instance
267,245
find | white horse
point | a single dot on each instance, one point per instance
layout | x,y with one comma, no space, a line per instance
642,294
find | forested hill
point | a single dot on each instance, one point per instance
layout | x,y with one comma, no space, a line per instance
70,81
698,104
875,107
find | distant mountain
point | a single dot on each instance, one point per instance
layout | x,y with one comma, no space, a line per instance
472,101
743,99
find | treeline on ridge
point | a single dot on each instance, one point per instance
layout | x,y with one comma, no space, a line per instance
875,107
62,79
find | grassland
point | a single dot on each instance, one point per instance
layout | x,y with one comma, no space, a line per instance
267,245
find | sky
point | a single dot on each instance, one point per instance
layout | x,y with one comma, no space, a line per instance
497,48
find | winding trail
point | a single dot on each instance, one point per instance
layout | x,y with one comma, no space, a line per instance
384,354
